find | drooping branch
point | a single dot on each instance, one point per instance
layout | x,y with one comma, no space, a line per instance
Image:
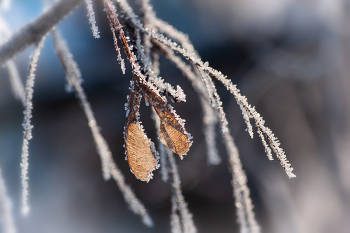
28,106
109,167
34,31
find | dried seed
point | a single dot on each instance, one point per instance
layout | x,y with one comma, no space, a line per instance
140,152
173,134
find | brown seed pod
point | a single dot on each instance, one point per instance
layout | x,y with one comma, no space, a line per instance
172,130
172,133
140,152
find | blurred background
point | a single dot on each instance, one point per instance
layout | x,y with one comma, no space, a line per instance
290,58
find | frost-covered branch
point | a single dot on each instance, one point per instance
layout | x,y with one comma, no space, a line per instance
142,44
26,123
15,79
186,216
247,110
241,193
35,30
74,80
209,114
109,167
92,21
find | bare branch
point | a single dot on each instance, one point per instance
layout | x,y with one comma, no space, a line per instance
28,105
186,216
35,30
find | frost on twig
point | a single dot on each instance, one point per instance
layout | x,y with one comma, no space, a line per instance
172,128
186,217
172,131
74,80
161,148
114,24
145,15
209,115
143,50
26,124
92,20
139,150
248,110
15,80
210,121
263,131
209,92
173,33
34,30
109,167
7,221
139,47
241,193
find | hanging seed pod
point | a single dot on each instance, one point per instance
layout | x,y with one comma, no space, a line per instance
172,130
140,151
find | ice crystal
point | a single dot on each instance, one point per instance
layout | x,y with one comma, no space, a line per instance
112,17
26,124
91,15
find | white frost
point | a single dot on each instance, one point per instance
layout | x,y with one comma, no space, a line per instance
249,111
186,217
92,20
109,167
15,80
26,124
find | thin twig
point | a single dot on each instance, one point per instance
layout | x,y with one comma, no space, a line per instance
26,124
109,167
34,31
186,216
